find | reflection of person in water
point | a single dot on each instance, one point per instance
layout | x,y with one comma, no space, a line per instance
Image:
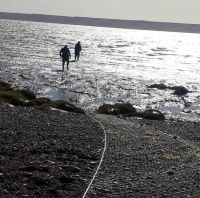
66,55
77,51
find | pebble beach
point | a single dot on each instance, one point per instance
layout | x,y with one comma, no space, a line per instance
55,154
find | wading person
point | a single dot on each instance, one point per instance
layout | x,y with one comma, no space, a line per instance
66,55
77,51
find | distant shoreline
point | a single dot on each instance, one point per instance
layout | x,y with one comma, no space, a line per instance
101,22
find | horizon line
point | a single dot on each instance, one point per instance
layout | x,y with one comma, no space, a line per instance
141,20
104,22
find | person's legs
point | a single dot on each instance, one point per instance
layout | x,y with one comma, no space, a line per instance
67,60
75,56
78,56
63,64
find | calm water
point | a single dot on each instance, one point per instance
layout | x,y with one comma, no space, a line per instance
115,65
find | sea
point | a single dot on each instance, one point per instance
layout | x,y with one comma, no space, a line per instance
116,65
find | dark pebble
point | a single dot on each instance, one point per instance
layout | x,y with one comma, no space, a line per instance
170,173
65,179
40,181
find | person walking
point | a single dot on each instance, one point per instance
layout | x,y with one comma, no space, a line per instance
66,55
77,51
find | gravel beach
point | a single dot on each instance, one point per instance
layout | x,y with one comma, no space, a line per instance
47,153
149,159
55,154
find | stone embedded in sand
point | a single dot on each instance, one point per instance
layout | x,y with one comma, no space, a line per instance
44,168
75,170
32,168
40,181
149,177
54,192
65,179
27,174
29,168
153,114
170,173
71,169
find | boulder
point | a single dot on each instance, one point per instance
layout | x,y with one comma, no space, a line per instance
153,114
180,90
117,109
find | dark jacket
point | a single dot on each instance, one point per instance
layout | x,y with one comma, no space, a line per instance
65,53
77,48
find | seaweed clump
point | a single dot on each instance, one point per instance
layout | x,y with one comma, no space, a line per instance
117,109
26,98
62,105
153,114
128,110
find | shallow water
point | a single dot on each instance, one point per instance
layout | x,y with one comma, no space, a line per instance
115,65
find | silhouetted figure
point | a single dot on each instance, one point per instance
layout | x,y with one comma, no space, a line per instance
77,51
66,55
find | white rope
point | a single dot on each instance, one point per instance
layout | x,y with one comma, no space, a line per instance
102,156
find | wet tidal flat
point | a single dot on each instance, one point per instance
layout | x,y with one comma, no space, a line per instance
116,65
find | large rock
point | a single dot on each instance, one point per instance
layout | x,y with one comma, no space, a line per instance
180,90
117,109
153,114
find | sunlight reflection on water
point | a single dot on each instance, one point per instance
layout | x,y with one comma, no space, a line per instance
115,64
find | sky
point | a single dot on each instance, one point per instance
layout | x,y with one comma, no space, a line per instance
182,11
